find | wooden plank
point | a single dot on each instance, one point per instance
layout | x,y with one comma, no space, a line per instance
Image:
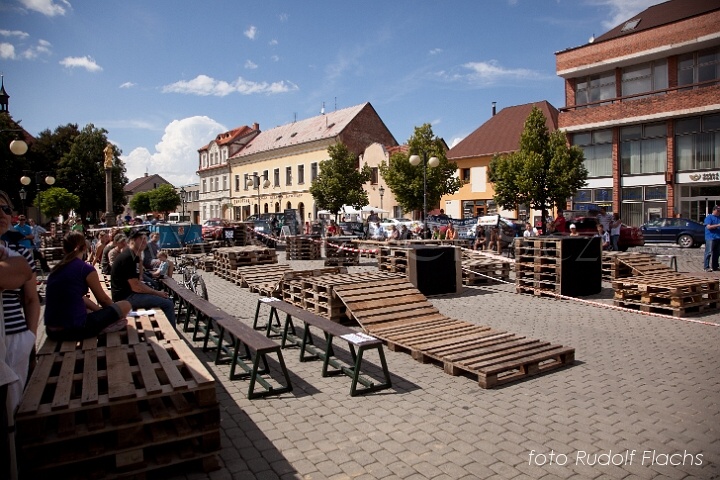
36,386
200,374
63,389
89,393
147,370
120,381
168,365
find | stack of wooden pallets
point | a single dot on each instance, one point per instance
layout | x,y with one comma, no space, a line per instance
616,265
341,251
261,278
668,293
393,259
126,403
303,247
228,259
202,247
478,269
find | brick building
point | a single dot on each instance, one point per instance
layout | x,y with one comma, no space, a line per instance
643,102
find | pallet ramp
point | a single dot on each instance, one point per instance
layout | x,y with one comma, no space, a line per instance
393,310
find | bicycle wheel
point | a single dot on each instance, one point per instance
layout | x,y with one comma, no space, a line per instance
200,288
187,276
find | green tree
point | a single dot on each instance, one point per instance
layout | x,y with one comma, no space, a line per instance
543,173
81,171
57,201
339,181
406,180
164,199
141,203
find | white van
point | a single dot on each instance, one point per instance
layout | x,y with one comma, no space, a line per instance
173,217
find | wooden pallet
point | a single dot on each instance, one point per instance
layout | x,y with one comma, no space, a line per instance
396,312
480,271
668,293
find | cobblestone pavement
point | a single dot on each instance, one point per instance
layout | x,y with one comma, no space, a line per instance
642,389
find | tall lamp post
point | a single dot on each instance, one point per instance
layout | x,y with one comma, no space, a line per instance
431,162
49,180
183,197
381,191
254,182
23,196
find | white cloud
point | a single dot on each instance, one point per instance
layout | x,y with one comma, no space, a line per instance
488,73
7,51
14,33
275,58
47,7
435,51
250,65
128,85
175,157
204,85
42,48
86,62
283,17
623,10
251,32
273,42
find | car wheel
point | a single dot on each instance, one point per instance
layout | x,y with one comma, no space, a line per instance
685,241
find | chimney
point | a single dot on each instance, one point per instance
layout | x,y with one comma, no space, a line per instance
256,126
494,111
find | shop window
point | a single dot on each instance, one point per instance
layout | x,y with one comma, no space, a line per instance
643,148
597,149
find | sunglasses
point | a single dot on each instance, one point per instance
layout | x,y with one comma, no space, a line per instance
6,210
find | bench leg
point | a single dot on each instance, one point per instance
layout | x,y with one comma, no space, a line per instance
306,340
221,334
257,312
289,328
269,327
356,378
327,358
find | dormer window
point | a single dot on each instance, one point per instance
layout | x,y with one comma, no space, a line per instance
630,25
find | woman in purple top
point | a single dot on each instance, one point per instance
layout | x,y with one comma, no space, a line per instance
69,314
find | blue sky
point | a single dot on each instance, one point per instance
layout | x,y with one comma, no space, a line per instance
163,77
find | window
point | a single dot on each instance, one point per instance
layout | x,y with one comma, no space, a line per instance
225,182
465,174
288,175
276,177
597,147
697,67
643,148
266,175
374,175
647,77
697,142
301,174
237,183
245,182
204,189
313,171
595,88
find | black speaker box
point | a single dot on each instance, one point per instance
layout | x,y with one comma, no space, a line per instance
435,270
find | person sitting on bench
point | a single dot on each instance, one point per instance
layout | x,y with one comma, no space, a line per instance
69,314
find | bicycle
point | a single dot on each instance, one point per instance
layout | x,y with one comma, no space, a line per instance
191,279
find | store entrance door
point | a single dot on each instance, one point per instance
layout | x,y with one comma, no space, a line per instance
697,209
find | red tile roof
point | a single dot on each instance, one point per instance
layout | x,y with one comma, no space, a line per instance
230,136
501,134
316,128
662,14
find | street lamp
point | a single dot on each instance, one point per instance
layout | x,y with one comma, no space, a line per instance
18,146
49,180
381,191
254,182
432,162
183,197
23,196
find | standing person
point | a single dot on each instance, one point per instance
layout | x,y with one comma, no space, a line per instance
69,314
615,231
712,225
126,275
373,217
26,230
38,232
604,237
21,312
559,222
605,219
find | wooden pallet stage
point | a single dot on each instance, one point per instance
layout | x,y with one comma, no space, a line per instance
393,310
125,404
253,276
616,265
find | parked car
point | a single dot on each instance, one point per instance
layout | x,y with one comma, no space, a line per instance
212,228
629,236
686,233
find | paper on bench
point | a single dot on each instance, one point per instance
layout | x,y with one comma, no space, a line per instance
357,338
133,313
269,299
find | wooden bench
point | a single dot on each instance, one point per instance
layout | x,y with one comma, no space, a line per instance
358,343
246,348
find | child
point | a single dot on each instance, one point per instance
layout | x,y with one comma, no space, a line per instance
162,269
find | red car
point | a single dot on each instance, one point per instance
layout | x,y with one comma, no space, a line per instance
212,229
629,236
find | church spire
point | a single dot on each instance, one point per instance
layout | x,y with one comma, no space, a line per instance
4,97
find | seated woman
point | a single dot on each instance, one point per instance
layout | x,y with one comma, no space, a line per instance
69,314
480,239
